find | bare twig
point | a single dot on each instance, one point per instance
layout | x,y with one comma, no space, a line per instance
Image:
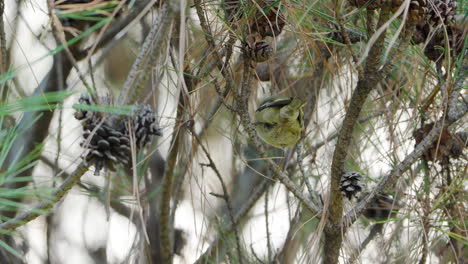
39,208
267,225
136,191
345,35
248,126
446,120
304,177
168,181
334,134
375,230
256,194
148,55
3,48
225,196
167,186
333,236
225,71
52,83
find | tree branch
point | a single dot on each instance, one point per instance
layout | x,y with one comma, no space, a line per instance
39,208
366,83
256,194
394,175
148,55
225,196
52,82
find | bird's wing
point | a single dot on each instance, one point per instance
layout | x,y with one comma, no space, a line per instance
274,102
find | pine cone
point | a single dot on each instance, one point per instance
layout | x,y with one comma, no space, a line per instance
449,145
431,12
442,11
81,114
107,146
144,125
257,49
421,33
382,207
108,141
264,16
436,46
351,184
418,10
460,142
232,10
269,21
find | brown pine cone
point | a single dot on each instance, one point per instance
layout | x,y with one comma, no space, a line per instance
351,184
269,21
232,10
432,12
447,145
108,141
443,11
418,10
421,33
436,46
257,49
459,144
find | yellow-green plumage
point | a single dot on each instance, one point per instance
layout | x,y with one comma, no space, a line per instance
279,121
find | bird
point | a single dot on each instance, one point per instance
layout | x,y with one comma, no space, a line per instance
279,121
382,207
257,49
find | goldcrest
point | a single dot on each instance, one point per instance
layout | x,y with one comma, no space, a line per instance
279,121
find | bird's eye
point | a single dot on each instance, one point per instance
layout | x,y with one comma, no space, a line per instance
269,125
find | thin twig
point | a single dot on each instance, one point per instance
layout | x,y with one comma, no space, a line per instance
225,196
40,208
148,55
446,120
168,182
267,226
426,228
333,236
345,35
256,194
51,83
167,186
301,169
60,37
225,71
3,48
248,126
334,134
255,255
375,230
136,190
